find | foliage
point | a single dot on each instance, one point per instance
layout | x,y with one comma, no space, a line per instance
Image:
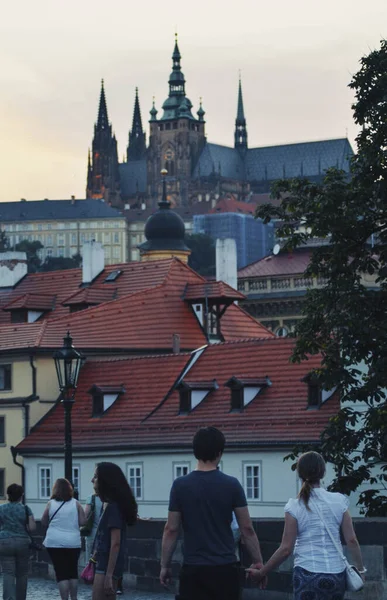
346,320
31,249
202,258
55,263
4,243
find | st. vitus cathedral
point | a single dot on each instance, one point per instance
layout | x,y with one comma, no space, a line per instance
197,169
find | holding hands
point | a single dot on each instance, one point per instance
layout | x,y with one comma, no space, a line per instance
254,573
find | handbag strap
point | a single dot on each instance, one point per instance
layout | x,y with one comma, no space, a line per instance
334,542
57,510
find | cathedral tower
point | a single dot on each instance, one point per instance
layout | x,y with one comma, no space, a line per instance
137,137
176,140
240,135
103,179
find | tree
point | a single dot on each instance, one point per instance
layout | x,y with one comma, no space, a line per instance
202,258
56,263
346,321
4,243
31,249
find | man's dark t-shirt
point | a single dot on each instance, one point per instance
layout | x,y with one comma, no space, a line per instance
206,500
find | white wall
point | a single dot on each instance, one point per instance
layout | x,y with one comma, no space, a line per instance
279,482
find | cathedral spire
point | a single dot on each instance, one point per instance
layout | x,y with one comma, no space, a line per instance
103,121
240,135
176,80
137,137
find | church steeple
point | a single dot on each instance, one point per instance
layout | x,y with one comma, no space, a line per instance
103,179
177,104
137,137
103,120
240,135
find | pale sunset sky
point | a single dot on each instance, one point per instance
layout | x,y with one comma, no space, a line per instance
296,59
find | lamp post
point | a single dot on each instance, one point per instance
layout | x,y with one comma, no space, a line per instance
68,363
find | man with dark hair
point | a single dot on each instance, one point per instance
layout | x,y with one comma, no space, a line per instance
203,502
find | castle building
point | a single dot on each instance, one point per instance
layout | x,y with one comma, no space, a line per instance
196,168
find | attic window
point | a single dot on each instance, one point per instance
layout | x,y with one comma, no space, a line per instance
193,393
103,397
244,391
113,276
316,394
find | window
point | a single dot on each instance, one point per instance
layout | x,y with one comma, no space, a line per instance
61,240
40,227
2,483
104,397
113,275
44,482
135,479
49,226
61,226
49,240
116,237
106,238
192,394
76,478
61,252
180,469
2,430
73,238
244,391
5,377
252,481
116,252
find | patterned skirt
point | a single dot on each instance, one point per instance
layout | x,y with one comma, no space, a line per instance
318,586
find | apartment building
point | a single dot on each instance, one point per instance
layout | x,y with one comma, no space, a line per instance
63,226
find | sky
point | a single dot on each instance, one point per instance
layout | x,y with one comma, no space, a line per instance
296,59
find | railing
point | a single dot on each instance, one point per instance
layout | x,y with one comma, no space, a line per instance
303,282
278,284
281,284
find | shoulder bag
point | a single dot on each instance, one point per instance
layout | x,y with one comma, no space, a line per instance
87,528
34,545
354,580
57,510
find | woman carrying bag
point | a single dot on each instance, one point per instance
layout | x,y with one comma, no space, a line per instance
64,516
16,521
313,522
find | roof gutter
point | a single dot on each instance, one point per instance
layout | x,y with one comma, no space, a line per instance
14,453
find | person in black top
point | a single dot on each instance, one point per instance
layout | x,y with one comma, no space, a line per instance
203,502
120,510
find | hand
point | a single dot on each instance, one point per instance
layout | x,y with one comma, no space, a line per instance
166,576
108,586
254,572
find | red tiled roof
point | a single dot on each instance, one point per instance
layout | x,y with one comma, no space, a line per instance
23,335
232,205
134,277
213,289
32,302
147,413
237,324
91,295
285,263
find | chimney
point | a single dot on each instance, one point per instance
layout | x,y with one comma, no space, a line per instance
127,206
13,267
176,343
143,206
93,261
226,262
72,199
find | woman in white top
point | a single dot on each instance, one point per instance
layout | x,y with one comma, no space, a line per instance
64,516
319,571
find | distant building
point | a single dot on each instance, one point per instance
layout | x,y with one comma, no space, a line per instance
63,226
196,168
254,240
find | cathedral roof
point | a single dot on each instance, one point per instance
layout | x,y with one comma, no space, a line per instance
308,159
133,177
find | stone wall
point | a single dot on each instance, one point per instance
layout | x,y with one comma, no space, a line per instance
144,546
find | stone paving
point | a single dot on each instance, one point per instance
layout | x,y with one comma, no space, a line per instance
44,589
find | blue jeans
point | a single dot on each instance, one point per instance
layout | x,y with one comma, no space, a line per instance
14,555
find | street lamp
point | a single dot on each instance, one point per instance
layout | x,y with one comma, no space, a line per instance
68,363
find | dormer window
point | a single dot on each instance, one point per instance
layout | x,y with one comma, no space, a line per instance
193,393
316,394
244,391
103,397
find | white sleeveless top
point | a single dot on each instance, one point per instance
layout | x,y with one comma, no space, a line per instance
314,550
63,531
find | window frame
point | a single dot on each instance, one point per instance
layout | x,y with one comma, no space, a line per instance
183,464
3,475
4,441
140,466
252,464
40,468
7,366
78,489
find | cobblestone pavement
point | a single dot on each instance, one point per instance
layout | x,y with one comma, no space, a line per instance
43,589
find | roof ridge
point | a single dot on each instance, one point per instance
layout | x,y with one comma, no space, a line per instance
41,332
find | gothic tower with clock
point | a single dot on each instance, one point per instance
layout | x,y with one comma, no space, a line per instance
176,140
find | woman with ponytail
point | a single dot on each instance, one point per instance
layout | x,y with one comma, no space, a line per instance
319,571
